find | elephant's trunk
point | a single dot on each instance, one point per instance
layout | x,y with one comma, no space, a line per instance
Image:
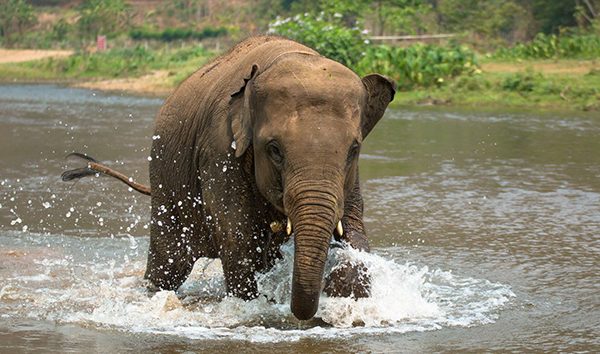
314,213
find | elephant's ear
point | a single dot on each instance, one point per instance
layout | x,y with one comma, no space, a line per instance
240,114
380,92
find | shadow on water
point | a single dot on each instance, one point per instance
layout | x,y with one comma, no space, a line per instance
484,226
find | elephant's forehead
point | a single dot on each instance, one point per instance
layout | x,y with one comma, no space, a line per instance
290,98
316,81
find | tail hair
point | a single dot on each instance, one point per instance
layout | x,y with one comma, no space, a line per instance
79,172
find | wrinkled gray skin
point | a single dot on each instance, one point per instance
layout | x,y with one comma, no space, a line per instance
298,121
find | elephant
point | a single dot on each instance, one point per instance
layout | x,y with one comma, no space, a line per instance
258,145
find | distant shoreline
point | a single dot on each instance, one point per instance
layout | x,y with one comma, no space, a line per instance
152,84
564,84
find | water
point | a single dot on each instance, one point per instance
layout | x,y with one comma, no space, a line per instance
485,229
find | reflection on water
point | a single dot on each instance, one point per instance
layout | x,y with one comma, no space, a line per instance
485,228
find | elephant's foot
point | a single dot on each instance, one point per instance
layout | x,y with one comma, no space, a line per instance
348,280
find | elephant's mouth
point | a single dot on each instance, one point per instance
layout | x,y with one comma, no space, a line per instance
277,226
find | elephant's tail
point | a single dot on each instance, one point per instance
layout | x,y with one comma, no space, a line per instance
94,167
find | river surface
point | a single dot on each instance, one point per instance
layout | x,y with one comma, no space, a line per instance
485,229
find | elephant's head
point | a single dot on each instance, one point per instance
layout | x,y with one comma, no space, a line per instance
305,117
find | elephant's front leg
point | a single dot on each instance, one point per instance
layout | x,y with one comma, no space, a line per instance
351,279
241,252
239,228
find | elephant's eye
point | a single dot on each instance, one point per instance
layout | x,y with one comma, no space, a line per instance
275,152
353,152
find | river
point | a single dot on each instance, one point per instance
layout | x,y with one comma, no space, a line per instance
484,227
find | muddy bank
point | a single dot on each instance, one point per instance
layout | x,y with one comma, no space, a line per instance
23,55
153,84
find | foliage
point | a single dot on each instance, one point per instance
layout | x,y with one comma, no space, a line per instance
400,16
60,30
15,16
172,34
586,13
102,17
520,82
586,45
501,89
187,11
327,35
419,65
111,63
553,15
382,16
508,20
122,62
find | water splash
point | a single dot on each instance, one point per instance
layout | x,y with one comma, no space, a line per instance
98,283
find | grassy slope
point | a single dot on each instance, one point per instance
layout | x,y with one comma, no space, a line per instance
110,65
550,84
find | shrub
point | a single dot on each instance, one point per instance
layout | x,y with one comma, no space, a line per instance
173,34
519,82
328,36
114,62
419,64
16,16
185,54
102,17
543,46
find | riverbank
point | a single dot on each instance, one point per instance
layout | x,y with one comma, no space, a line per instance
25,55
535,84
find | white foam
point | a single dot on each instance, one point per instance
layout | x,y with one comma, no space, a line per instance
101,292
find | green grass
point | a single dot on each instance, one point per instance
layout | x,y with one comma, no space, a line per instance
524,89
116,63
542,84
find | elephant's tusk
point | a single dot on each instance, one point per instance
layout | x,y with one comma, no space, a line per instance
288,228
276,226
339,228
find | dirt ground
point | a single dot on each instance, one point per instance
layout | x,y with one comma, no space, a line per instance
152,84
21,55
577,67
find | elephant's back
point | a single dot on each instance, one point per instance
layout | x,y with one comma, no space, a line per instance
210,87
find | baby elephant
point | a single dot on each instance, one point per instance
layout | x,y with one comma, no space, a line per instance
257,145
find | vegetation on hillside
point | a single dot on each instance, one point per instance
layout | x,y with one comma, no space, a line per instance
144,37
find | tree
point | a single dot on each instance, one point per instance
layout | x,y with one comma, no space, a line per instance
102,17
550,16
489,19
587,12
15,17
400,16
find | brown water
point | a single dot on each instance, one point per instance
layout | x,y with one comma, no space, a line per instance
485,228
